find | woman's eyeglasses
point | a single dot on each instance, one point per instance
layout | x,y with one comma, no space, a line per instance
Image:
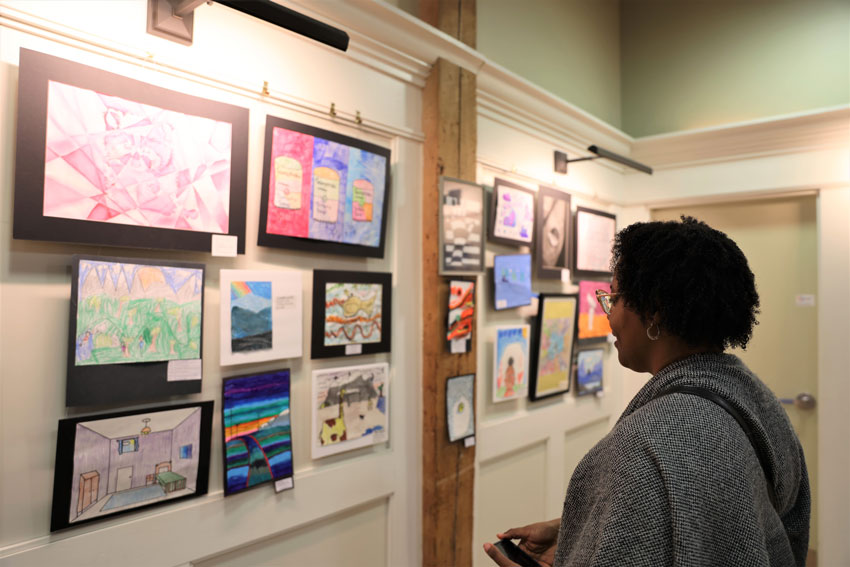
606,300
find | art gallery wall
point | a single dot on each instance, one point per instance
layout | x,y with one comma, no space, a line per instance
370,495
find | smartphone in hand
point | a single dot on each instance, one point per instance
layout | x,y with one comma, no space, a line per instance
510,550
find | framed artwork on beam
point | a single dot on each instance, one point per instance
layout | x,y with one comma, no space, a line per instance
552,241
104,159
460,407
323,192
461,227
110,464
594,237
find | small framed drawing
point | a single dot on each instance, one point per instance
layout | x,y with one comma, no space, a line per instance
594,236
461,227
110,464
461,319
136,330
352,313
593,323
553,232
512,214
322,191
350,408
460,407
257,430
511,280
589,371
510,362
260,315
104,159
553,354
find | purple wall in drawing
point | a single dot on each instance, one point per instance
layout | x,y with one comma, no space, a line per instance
91,453
154,448
187,433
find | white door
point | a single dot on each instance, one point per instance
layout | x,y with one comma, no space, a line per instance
779,238
125,479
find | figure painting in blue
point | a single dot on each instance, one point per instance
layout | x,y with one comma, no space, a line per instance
512,276
257,430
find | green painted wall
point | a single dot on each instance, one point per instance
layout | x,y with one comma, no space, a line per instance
569,47
697,63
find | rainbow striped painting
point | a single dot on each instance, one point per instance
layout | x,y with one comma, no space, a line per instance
257,430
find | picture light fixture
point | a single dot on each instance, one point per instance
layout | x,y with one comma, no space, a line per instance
174,20
561,160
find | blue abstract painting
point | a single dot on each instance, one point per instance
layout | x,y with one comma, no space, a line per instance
257,430
512,278
364,198
330,181
589,376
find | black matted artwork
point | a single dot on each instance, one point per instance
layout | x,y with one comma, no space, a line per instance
323,192
104,159
136,330
553,232
594,237
111,464
511,214
352,313
461,227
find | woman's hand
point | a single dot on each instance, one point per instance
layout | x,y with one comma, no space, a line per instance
538,540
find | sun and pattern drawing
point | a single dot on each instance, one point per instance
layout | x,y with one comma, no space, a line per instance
461,312
460,409
349,408
250,316
555,345
463,220
325,190
352,313
257,430
110,159
510,365
137,313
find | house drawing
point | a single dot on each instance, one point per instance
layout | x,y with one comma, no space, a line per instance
133,461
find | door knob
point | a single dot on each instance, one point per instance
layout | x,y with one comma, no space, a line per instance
803,400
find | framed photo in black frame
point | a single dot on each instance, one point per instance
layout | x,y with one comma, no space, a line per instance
322,191
552,352
104,159
110,464
511,214
552,241
135,330
352,313
594,236
589,371
461,227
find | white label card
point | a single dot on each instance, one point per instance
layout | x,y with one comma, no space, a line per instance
502,304
180,370
565,276
283,484
224,245
458,346
805,300
353,349
469,441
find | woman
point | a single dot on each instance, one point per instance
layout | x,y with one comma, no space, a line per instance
678,481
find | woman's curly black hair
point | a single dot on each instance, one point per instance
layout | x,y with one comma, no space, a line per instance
692,278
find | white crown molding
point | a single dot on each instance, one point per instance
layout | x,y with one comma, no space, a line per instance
808,131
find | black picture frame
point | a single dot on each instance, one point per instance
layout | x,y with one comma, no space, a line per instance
597,248
311,244
499,187
535,391
37,70
66,484
123,382
553,249
455,383
321,278
458,257
584,390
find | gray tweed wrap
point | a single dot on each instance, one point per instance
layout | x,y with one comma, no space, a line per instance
676,481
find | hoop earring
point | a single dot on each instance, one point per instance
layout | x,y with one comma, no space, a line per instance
656,335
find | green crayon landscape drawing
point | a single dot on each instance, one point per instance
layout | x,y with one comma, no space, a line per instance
137,313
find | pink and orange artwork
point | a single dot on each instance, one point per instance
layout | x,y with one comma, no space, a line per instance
592,321
110,159
461,312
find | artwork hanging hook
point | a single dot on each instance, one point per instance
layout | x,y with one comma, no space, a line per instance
265,91
333,110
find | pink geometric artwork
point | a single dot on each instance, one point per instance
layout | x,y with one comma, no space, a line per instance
110,159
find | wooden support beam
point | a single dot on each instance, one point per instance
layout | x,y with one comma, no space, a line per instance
449,123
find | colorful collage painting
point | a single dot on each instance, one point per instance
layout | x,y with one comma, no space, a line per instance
510,362
460,407
461,314
258,308
257,430
513,214
589,371
350,408
352,313
512,280
462,226
324,187
592,321
554,355
137,313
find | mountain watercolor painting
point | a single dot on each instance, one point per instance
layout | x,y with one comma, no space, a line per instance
250,316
